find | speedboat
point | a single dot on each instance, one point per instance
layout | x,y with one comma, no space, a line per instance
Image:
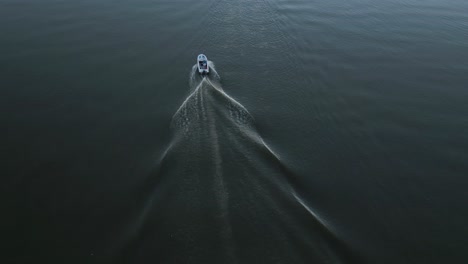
202,63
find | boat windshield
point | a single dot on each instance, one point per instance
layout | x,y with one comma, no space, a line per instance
202,64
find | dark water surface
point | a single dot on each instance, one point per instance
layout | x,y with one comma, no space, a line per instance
333,131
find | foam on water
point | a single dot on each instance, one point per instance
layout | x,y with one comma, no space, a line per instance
220,194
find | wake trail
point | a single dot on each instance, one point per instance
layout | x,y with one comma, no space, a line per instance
220,194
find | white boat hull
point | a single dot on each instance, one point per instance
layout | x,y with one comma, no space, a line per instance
202,64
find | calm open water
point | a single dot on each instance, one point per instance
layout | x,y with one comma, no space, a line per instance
328,131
